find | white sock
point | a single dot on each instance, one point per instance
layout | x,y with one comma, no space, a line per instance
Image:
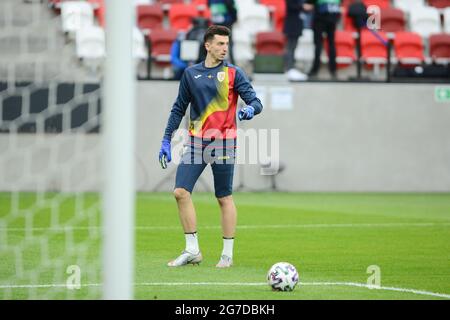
192,242
228,247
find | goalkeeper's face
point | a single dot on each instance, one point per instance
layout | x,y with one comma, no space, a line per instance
217,48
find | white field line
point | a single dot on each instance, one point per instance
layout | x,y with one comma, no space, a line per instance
246,284
261,226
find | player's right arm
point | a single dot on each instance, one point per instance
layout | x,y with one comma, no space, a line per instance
176,115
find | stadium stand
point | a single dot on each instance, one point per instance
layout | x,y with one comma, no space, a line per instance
406,5
425,21
99,11
383,4
446,14
373,51
149,17
408,48
428,18
76,15
160,43
243,48
252,18
345,48
440,4
392,20
90,43
181,15
270,43
277,9
304,53
440,48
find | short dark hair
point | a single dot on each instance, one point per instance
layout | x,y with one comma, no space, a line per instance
215,29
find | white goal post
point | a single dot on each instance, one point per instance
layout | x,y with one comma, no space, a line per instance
119,129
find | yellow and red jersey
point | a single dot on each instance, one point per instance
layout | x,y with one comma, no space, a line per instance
212,94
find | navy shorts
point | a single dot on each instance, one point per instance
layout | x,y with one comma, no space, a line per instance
197,154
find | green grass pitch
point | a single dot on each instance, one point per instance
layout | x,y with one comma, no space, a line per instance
331,238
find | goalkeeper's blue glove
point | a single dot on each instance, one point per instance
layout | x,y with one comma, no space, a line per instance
164,153
246,113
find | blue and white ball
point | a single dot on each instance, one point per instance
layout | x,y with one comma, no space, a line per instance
282,276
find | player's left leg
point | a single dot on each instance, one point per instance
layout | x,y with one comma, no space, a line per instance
223,185
228,219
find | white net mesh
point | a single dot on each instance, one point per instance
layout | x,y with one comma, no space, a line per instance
49,159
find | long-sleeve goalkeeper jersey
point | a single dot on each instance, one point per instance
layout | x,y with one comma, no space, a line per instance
212,94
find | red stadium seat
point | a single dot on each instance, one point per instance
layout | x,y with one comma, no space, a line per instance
170,2
278,17
440,4
180,16
149,16
200,2
408,48
277,12
440,47
383,4
270,43
392,20
346,3
373,50
345,48
160,41
99,11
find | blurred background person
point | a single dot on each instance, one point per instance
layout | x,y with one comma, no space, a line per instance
325,18
292,29
199,26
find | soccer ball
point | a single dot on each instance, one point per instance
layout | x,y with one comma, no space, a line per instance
282,276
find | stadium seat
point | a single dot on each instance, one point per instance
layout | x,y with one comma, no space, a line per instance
200,2
242,47
304,52
252,18
373,50
161,41
99,11
392,20
278,16
425,21
273,3
139,47
345,48
76,15
383,4
446,14
170,1
408,48
90,43
167,4
440,48
277,9
440,4
270,43
180,16
407,5
149,17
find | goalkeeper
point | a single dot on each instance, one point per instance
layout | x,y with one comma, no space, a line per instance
211,88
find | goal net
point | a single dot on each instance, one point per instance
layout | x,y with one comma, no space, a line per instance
51,156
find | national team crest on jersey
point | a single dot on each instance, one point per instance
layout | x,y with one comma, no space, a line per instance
221,76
